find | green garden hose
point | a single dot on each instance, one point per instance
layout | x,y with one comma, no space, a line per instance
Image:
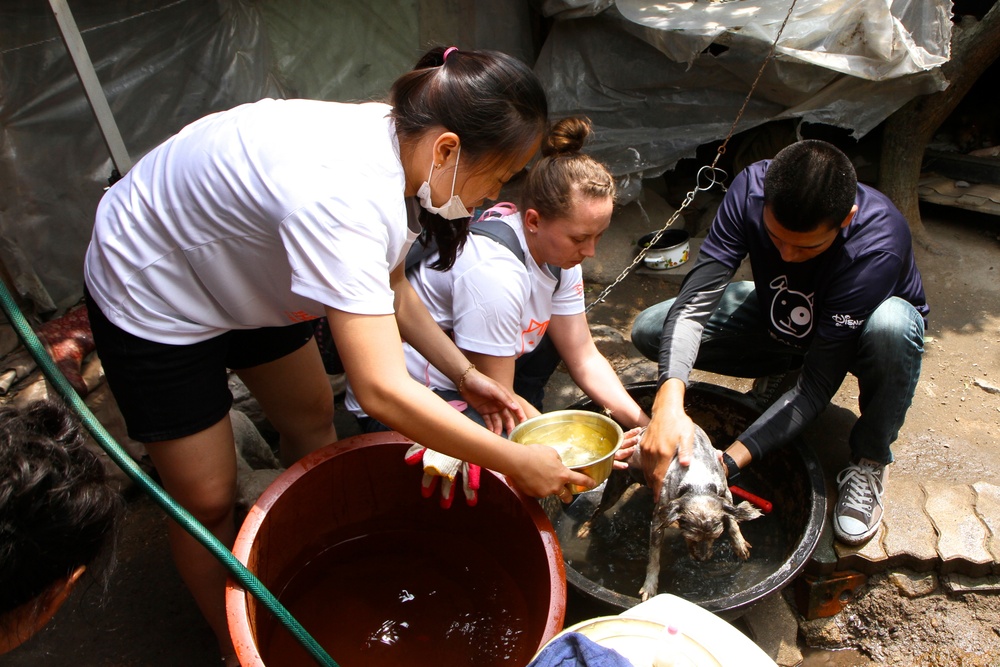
239,571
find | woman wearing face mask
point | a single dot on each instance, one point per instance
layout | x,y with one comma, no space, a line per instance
517,319
221,244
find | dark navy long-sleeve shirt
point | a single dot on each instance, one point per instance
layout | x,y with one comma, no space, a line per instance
819,305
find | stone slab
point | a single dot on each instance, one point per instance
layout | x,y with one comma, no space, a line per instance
869,557
988,509
939,189
961,535
774,626
914,584
960,583
910,539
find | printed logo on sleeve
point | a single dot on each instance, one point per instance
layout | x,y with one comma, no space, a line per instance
847,321
532,336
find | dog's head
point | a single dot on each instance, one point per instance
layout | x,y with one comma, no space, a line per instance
700,518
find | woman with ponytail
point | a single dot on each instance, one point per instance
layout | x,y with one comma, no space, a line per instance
517,319
220,246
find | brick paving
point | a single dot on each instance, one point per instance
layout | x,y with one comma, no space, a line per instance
952,528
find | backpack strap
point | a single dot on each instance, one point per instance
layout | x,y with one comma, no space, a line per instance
418,252
499,231
490,226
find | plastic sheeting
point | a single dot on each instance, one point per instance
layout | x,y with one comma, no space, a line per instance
162,64
640,71
165,63
652,93
870,39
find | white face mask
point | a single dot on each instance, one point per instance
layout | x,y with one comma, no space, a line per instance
453,209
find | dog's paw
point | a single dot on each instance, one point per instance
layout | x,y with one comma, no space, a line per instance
742,549
583,531
645,595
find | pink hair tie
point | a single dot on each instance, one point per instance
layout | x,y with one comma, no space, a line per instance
448,52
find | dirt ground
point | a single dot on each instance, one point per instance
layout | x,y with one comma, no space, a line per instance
145,617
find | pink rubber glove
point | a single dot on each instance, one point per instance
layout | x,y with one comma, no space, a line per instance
447,469
438,466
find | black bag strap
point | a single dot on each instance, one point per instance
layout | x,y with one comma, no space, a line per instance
488,225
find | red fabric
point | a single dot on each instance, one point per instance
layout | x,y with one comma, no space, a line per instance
68,340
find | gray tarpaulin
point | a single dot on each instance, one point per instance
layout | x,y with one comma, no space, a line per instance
165,63
637,69
641,71
162,64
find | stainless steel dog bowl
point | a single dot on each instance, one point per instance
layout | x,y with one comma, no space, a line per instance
586,441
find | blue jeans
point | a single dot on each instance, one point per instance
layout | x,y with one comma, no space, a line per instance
736,342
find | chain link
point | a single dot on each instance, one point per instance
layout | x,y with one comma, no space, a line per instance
711,170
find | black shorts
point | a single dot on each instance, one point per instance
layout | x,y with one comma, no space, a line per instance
172,391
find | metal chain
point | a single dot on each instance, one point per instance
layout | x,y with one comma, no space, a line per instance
714,176
711,170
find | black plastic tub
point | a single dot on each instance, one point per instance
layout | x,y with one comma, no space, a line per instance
608,567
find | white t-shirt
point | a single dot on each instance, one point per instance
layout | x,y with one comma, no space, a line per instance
491,302
254,217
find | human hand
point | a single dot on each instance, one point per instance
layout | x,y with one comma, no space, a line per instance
668,434
497,406
629,442
542,473
438,466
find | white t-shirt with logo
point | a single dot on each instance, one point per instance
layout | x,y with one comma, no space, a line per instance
490,302
254,217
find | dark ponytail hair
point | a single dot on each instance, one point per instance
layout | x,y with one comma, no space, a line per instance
563,170
58,510
492,101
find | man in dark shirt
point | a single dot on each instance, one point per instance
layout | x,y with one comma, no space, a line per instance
835,290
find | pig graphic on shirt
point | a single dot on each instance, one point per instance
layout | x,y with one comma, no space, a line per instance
791,311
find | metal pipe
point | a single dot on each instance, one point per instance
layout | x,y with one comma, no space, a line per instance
91,85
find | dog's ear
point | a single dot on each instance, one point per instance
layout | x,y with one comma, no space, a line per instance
742,512
673,512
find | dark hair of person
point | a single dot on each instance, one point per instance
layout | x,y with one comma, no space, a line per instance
58,510
563,171
809,184
492,101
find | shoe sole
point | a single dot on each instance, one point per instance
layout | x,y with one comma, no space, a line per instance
854,540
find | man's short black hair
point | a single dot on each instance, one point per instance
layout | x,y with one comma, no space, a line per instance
809,184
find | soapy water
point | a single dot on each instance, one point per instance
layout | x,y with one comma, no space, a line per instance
577,444
616,552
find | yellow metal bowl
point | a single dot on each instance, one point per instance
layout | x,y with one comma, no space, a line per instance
585,441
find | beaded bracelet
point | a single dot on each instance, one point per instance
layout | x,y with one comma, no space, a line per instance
461,380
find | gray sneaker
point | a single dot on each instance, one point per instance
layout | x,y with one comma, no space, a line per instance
859,507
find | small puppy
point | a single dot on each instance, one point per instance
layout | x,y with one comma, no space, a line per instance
695,498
